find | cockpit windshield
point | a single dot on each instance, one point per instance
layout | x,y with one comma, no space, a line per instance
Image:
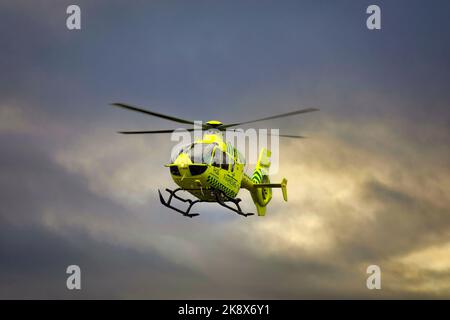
197,152
201,152
176,153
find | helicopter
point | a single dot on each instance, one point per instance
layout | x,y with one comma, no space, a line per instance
213,170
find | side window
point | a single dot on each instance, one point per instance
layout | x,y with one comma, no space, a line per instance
216,161
208,152
225,161
231,162
221,160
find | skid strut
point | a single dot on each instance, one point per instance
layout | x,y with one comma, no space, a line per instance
220,196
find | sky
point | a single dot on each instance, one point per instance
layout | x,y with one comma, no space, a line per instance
370,185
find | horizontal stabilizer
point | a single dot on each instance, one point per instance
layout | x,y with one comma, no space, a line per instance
282,185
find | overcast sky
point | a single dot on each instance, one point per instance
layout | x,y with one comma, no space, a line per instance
370,185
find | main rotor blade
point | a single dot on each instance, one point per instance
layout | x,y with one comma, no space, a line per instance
152,132
190,130
291,136
152,113
270,118
279,135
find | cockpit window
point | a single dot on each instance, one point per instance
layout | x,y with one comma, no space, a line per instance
206,153
180,151
201,152
197,152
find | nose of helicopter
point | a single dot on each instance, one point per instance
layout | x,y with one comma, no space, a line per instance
183,160
181,165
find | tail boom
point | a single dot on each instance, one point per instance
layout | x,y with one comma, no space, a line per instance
259,185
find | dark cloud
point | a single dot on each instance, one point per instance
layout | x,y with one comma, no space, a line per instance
35,256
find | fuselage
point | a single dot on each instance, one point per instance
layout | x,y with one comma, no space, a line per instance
208,164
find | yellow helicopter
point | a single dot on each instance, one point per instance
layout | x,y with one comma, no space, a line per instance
212,170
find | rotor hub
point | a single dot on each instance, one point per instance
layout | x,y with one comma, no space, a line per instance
214,123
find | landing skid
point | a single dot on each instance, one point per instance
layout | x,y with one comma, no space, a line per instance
220,196
236,201
173,195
